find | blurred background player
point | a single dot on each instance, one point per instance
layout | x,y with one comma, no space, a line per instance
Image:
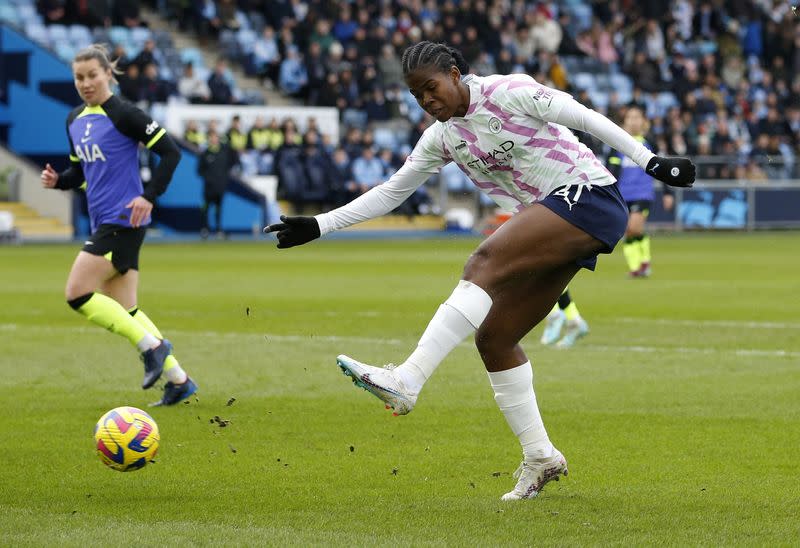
568,210
564,314
214,167
636,187
104,136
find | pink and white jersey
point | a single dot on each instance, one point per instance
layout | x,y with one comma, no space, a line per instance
508,143
513,142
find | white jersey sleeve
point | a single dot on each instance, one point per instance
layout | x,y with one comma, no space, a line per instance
426,159
560,108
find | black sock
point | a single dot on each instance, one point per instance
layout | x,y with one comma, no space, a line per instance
564,300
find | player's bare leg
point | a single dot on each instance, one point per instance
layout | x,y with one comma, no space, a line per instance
524,267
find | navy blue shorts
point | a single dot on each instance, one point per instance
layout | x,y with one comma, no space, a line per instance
600,212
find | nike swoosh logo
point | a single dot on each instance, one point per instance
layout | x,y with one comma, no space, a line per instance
84,139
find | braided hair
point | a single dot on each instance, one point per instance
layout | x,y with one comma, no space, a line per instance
424,54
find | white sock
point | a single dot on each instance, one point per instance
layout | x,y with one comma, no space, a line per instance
175,373
513,392
148,341
460,315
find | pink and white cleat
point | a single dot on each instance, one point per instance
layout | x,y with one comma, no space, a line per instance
381,382
534,475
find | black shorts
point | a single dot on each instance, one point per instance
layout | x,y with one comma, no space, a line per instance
640,206
597,210
118,244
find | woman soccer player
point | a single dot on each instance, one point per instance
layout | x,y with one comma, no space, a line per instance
104,136
509,135
636,187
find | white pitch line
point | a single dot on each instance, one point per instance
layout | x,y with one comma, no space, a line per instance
771,353
711,323
694,350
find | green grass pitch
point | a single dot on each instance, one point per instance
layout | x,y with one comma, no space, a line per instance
679,414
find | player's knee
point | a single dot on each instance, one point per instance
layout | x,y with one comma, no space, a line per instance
478,265
76,302
75,289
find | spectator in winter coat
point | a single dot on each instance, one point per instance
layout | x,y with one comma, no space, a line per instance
214,168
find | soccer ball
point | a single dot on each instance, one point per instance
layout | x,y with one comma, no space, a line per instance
126,438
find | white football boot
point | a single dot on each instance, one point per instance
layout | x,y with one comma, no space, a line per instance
533,476
576,329
553,324
381,382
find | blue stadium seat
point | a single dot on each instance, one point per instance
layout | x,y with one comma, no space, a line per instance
8,14
65,50
666,100
582,14
602,81
120,35
38,33
27,13
80,35
625,96
455,180
584,80
600,100
620,81
58,33
131,49
385,138
354,117
192,55
139,35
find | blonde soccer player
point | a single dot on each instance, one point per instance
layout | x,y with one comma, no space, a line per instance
104,134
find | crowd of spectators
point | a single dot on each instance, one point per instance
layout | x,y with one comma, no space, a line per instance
717,78
311,167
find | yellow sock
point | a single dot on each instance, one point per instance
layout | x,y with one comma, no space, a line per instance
644,248
633,255
109,314
572,311
171,362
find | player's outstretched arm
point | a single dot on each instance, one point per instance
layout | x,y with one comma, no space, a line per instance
376,202
672,171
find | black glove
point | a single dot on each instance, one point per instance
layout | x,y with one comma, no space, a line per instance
672,171
295,231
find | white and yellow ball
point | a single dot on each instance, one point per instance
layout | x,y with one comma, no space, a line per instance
126,438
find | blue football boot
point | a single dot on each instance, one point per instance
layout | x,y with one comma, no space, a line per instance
154,362
174,393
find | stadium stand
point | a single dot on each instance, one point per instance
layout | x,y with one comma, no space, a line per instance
708,72
718,80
